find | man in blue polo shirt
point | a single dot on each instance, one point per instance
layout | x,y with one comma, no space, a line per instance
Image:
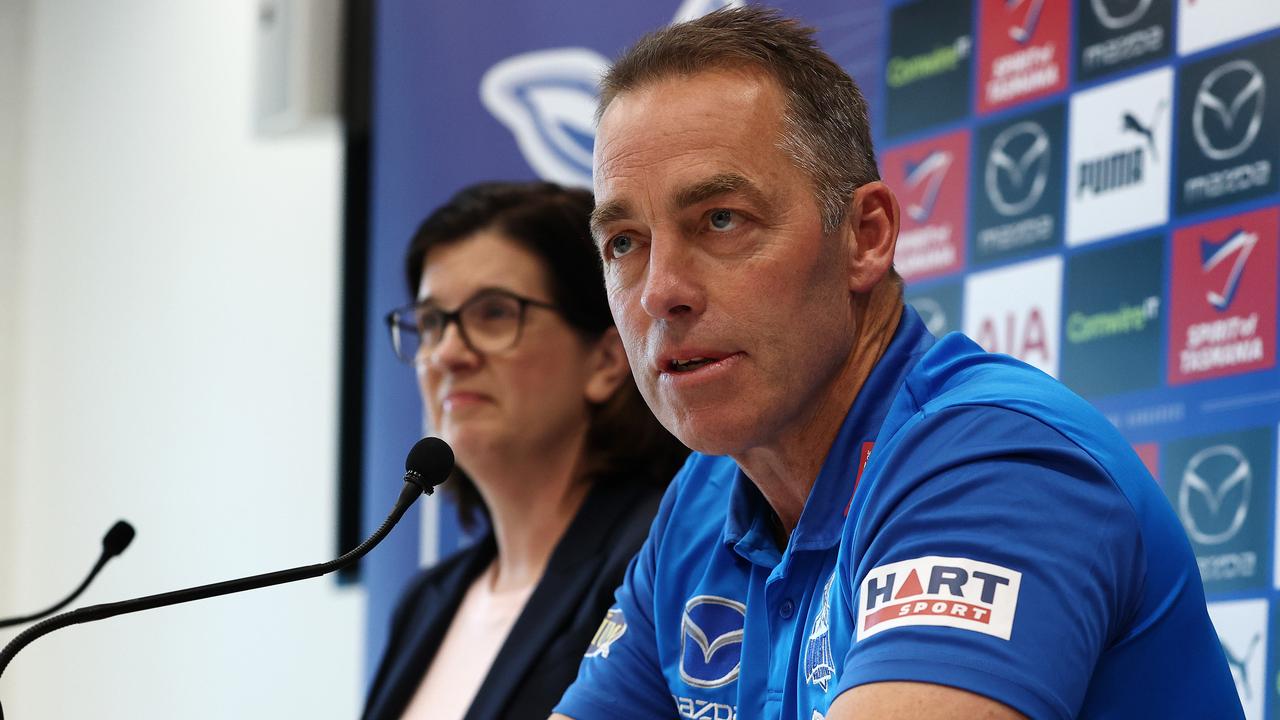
876,524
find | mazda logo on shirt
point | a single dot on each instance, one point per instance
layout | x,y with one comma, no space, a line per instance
711,641
1214,497
1018,168
1227,114
1112,14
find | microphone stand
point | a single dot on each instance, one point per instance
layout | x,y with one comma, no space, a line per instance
414,486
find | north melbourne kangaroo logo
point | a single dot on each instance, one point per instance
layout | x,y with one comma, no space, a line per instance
819,664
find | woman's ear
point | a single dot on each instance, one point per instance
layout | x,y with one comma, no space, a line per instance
608,367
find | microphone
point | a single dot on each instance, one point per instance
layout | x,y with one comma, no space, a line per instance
427,465
113,543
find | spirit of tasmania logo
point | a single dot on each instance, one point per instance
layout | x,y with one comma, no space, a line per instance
1223,309
939,591
929,178
1022,51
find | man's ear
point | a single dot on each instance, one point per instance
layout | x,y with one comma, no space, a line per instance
872,224
608,367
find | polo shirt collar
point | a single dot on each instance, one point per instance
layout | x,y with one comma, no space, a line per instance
747,524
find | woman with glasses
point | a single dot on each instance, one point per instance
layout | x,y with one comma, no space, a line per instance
523,373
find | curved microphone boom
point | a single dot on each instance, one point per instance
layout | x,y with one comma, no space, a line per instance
427,465
113,543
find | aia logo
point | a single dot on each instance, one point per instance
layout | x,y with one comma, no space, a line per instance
1016,310
1238,245
1022,335
939,591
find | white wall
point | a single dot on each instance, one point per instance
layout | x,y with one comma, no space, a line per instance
173,287
13,15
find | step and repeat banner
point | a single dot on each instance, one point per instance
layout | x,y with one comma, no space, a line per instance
1089,185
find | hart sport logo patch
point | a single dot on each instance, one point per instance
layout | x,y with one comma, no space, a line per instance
939,591
711,640
929,179
1023,51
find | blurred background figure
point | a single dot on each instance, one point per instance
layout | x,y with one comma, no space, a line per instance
522,371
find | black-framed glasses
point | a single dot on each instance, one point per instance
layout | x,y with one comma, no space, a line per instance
490,321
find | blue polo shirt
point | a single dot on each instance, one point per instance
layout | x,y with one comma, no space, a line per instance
974,524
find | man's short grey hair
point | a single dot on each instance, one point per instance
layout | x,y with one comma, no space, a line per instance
826,131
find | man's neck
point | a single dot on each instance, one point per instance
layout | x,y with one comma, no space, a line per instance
786,471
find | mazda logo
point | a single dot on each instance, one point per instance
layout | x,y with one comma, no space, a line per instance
931,312
711,641
1121,20
1216,99
1212,476
1020,154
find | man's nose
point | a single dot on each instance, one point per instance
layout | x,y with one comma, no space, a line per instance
671,288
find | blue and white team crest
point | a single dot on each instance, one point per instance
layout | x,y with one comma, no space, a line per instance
547,99
819,665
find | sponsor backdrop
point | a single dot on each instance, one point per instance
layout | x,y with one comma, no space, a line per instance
1088,185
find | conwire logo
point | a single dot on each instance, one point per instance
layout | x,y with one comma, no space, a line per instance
903,71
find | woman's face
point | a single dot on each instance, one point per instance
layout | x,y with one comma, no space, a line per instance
517,402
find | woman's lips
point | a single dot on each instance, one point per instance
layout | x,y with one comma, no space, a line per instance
460,399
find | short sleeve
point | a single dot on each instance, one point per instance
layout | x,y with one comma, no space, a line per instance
1003,560
620,675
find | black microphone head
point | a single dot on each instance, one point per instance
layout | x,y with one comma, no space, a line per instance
428,463
117,538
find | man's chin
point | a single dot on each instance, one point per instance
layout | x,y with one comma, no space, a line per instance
713,434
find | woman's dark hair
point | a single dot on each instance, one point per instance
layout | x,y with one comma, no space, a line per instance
552,222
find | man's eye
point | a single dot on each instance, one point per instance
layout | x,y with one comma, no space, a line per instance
620,245
723,220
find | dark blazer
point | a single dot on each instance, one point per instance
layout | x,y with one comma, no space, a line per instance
540,658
